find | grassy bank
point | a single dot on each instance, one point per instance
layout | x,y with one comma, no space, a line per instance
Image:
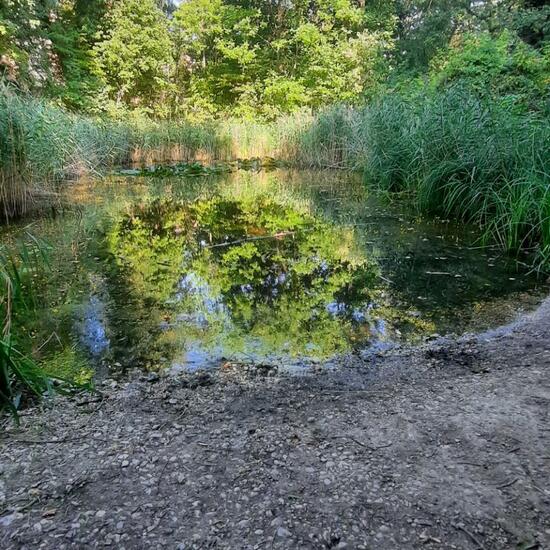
19,375
479,161
454,153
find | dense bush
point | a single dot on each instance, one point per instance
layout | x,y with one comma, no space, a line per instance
500,67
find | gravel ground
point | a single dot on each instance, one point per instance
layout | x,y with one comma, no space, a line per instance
442,446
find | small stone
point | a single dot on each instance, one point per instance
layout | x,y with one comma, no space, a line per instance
100,514
283,533
243,523
5,521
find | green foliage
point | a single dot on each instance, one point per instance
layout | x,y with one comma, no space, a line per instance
18,372
531,21
473,158
334,138
134,55
79,86
24,268
501,67
307,67
24,44
243,58
425,27
39,144
249,58
68,364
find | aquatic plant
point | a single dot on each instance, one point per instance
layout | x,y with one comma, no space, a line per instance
466,157
18,372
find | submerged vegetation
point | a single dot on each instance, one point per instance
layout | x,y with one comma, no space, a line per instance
33,361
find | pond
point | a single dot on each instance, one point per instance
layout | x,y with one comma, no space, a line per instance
265,267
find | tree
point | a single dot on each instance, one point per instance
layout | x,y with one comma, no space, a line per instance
216,54
427,26
251,56
501,67
134,55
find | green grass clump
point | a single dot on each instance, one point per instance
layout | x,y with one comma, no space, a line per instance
333,139
19,374
68,364
470,158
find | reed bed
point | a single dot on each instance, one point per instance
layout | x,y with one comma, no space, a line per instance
477,160
40,145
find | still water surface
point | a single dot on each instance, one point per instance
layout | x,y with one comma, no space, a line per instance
280,266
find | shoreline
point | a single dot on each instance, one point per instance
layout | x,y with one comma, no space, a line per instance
439,446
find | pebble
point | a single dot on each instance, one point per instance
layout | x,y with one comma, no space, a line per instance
289,482
283,533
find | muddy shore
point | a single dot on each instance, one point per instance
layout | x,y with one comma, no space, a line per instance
446,445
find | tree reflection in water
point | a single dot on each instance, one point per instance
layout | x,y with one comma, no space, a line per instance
250,277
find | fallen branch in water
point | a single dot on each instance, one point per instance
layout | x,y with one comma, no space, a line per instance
249,239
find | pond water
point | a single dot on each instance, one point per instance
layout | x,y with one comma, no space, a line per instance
266,267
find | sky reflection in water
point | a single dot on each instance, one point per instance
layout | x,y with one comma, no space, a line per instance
282,267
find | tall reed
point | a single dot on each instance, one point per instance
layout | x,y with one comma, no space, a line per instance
19,374
476,160
40,144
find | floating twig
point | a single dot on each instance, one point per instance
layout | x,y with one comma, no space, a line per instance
250,239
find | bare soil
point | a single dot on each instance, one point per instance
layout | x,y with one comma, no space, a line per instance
446,445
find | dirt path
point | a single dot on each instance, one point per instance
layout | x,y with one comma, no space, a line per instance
446,446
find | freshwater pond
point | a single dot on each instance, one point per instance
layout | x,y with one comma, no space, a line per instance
272,267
